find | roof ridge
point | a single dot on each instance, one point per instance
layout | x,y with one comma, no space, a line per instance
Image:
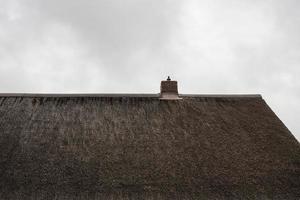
125,95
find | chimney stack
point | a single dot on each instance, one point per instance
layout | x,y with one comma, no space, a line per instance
169,90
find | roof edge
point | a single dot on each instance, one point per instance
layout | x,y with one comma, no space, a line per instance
223,95
153,95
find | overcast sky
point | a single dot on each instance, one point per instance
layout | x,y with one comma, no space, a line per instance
128,46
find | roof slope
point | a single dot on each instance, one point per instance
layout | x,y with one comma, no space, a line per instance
131,147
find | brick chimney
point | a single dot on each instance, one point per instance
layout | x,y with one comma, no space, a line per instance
169,90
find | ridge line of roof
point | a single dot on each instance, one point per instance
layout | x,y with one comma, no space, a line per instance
222,95
125,95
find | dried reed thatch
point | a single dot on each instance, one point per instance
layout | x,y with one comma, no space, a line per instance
140,147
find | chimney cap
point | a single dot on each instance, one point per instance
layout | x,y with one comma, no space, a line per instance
169,90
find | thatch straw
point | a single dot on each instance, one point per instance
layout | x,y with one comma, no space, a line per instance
126,147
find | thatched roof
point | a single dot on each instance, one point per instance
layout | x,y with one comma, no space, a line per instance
140,147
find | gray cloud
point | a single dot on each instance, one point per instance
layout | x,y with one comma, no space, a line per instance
214,46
